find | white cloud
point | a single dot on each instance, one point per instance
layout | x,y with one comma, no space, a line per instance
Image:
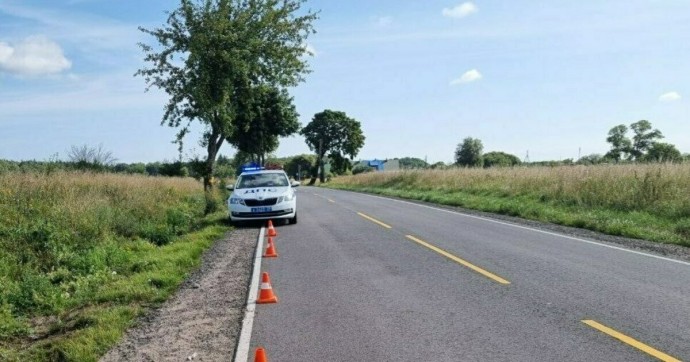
461,10
384,21
101,40
669,97
468,77
35,55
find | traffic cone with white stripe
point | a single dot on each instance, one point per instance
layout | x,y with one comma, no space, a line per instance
266,292
271,229
271,250
260,355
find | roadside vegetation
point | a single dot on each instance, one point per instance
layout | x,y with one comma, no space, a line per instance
645,201
83,254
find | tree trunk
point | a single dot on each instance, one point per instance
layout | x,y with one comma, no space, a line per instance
214,143
313,173
322,176
322,168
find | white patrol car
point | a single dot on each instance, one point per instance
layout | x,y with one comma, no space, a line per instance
261,194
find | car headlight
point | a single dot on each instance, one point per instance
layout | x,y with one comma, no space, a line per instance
236,200
288,197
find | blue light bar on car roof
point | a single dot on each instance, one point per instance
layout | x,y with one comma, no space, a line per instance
251,167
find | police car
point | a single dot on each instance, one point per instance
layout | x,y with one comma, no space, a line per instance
263,194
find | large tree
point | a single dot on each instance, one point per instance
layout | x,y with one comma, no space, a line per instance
643,138
264,115
335,134
300,165
340,165
469,153
212,54
91,157
620,144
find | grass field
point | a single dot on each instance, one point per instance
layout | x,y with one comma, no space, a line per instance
640,201
82,255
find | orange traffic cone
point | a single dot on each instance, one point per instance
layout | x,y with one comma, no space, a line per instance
271,229
270,250
266,292
260,355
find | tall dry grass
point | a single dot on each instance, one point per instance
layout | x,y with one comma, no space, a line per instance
659,190
72,240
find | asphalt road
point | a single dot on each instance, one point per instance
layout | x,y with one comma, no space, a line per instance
362,278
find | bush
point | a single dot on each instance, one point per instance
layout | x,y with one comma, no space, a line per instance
158,234
9,324
361,169
179,220
683,229
214,202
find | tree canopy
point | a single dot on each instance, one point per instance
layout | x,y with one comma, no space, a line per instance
500,159
300,165
663,152
620,144
622,147
90,157
212,54
265,114
412,162
591,159
333,133
643,138
469,153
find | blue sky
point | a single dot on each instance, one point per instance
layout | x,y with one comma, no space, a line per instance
550,77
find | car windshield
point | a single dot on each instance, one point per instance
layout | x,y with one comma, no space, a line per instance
262,180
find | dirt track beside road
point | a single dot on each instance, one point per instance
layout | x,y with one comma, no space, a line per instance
202,321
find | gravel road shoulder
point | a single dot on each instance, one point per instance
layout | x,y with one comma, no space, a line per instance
202,321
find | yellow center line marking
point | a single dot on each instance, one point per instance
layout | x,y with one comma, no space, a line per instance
631,341
374,220
458,260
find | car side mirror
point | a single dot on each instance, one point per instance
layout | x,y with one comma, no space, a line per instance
295,184
230,187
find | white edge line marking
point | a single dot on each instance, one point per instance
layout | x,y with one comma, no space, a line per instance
527,228
242,354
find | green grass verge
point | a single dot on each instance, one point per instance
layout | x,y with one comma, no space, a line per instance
633,224
150,276
83,254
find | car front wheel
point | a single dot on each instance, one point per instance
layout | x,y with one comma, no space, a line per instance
293,221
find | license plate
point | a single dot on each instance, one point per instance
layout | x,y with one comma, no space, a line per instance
261,209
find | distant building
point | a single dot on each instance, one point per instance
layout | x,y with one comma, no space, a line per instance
381,165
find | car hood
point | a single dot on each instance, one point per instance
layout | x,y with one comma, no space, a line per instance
261,193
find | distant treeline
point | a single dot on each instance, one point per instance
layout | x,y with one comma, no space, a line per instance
181,169
305,165
225,167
